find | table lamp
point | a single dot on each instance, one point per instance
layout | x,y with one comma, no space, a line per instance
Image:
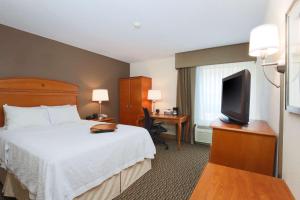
100,95
154,95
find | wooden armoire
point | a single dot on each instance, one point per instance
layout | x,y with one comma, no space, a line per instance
133,97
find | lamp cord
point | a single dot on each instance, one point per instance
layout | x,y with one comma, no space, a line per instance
277,86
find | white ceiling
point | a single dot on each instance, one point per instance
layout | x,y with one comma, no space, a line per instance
105,27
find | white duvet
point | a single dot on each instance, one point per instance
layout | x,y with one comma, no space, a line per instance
64,161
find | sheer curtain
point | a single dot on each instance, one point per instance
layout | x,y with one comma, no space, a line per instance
209,88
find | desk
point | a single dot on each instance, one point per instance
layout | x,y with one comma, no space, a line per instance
175,120
221,182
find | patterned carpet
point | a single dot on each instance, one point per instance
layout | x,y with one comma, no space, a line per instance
173,176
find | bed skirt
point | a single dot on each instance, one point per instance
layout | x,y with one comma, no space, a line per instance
109,189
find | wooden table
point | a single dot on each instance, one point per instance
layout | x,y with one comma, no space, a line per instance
178,120
221,182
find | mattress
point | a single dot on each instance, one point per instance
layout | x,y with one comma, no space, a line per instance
65,161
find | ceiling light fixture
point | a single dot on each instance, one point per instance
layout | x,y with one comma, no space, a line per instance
137,25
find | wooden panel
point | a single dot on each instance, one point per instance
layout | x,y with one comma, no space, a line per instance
258,153
250,148
254,126
35,85
146,85
136,95
132,119
223,183
225,148
133,90
28,92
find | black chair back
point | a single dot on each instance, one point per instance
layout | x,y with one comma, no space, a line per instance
154,129
148,121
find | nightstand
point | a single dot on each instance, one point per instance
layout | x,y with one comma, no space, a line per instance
107,119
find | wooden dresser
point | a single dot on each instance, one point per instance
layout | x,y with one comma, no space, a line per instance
223,183
250,147
133,97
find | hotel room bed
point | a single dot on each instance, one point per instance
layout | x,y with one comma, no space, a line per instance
67,161
64,161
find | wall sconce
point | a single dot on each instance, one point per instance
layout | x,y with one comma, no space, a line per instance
264,41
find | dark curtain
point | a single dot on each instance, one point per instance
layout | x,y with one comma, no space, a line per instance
186,96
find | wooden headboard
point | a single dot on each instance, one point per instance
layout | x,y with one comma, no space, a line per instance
27,92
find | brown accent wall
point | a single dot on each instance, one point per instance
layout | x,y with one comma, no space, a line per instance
27,55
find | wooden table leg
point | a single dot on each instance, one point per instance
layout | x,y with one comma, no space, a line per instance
187,129
179,132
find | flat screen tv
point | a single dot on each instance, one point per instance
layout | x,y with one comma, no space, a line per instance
236,97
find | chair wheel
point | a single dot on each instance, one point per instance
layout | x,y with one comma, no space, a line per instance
167,147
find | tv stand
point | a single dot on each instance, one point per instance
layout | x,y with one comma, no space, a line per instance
250,147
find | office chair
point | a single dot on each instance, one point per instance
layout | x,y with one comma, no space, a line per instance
155,129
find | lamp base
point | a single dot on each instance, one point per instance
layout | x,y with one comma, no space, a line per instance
101,116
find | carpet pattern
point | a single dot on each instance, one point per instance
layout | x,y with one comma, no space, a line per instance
173,176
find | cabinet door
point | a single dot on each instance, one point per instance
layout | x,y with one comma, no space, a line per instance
124,100
146,86
132,119
135,96
226,148
258,153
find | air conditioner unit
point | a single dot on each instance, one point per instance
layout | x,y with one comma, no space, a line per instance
203,134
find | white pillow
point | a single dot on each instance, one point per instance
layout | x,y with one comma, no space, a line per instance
62,106
20,117
63,114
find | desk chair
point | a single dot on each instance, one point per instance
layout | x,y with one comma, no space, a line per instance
155,129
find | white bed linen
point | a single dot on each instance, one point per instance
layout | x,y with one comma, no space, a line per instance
20,117
66,160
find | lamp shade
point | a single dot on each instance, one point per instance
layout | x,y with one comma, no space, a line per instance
100,95
154,95
264,40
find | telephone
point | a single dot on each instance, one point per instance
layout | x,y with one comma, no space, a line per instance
93,116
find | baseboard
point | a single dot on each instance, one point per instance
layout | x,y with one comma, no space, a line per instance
202,143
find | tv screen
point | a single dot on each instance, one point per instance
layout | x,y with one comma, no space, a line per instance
236,97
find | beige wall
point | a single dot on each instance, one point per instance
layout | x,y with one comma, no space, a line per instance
164,77
213,56
25,54
291,135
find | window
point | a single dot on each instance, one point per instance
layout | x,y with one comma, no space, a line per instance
209,88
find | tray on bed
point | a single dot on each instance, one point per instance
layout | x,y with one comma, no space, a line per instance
103,128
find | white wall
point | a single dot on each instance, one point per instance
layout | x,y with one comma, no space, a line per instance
269,97
164,77
291,134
